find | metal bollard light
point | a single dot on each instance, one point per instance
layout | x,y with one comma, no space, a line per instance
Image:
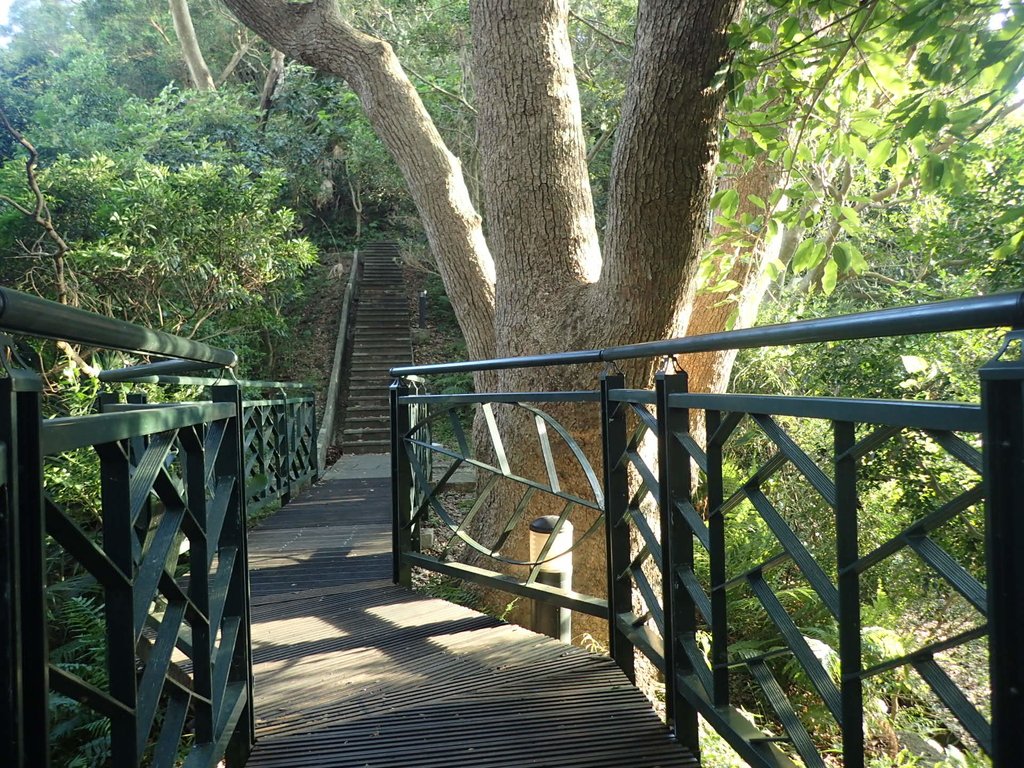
548,619
423,309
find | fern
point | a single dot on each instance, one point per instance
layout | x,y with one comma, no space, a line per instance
79,736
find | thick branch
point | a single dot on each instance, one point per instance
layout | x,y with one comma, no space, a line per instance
662,168
315,34
190,51
232,65
270,84
536,186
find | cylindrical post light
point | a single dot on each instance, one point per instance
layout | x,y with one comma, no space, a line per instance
555,571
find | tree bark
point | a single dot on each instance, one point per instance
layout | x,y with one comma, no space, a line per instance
270,83
202,80
536,187
540,214
663,166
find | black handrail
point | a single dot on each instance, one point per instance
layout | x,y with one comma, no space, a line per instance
1001,309
27,314
159,368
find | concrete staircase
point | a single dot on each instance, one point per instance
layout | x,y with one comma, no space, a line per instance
380,341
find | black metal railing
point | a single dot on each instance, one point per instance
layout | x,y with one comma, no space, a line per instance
162,562
721,619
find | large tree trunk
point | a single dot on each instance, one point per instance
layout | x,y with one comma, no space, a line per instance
536,189
548,288
540,214
663,168
190,50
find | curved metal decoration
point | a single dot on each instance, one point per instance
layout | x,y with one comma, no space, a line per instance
418,444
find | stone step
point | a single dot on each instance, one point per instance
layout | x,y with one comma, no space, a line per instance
377,431
369,397
382,351
367,446
381,340
367,422
371,430
368,368
378,363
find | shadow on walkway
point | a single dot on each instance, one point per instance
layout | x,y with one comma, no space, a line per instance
352,670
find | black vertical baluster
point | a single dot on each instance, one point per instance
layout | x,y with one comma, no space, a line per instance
104,399
26,693
616,498
1002,400
199,581
10,613
259,424
401,485
286,449
137,447
120,545
313,452
233,534
716,538
137,443
847,552
677,553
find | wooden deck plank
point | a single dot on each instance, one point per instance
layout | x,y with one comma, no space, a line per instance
351,670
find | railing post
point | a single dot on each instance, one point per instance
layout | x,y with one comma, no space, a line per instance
286,448
401,485
309,409
677,552
24,685
119,543
616,499
230,462
847,553
716,553
1002,401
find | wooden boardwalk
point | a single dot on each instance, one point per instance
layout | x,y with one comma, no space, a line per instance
353,671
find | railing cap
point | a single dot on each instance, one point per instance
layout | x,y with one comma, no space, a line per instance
994,311
33,316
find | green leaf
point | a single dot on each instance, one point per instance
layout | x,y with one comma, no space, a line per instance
915,123
804,256
864,128
841,256
859,148
933,169
830,277
756,201
1010,214
724,286
937,115
848,258
726,201
879,153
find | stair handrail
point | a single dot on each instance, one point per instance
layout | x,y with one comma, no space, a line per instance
327,426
